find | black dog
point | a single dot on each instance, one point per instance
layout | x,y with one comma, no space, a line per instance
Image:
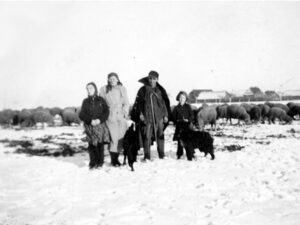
192,139
131,145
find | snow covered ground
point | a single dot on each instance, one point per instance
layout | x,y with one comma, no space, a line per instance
254,179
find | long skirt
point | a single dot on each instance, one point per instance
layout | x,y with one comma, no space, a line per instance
97,134
117,131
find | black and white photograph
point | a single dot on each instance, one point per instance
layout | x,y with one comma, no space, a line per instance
149,112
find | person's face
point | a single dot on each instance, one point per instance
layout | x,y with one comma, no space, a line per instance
91,90
152,81
182,99
113,81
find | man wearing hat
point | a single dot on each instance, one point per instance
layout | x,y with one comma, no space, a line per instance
151,112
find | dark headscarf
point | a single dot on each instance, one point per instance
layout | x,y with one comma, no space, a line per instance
108,86
95,86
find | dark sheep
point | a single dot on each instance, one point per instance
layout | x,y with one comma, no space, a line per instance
56,111
265,109
247,107
255,114
278,113
41,115
292,104
6,117
16,119
131,145
192,139
294,109
25,118
222,111
282,106
70,116
237,112
207,115
270,104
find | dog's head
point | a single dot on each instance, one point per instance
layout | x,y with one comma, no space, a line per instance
131,138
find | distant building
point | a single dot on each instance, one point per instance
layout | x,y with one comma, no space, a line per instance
193,95
213,96
290,95
257,93
271,96
242,93
250,94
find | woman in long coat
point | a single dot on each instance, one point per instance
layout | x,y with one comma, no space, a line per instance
115,94
94,112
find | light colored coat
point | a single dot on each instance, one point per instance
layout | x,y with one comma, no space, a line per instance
118,103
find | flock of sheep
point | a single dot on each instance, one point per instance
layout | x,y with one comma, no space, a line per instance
31,117
248,113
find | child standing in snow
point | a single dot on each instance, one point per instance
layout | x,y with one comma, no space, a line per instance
94,112
182,117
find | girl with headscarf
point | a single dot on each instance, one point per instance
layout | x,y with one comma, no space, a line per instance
94,113
115,94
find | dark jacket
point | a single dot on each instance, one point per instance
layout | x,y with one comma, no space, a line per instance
142,104
181,112
94,107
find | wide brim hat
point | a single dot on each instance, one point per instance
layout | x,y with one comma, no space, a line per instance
145,80
153,73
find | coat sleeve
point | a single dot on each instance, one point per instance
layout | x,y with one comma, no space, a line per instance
84,115
167,101
105,110
125,103
140,101
165,110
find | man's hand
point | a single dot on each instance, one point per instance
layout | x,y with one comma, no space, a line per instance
142,118
95,122
166,119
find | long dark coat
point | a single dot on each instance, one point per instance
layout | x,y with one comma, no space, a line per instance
140,107
142,103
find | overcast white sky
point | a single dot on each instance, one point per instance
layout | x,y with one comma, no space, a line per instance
49,51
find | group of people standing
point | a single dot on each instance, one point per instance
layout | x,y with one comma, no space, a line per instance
105,116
